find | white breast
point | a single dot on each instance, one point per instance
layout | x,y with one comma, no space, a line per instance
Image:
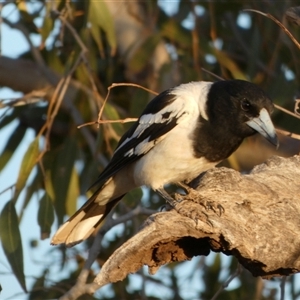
172,159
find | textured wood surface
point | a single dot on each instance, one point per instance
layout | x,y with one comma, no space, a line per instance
260,224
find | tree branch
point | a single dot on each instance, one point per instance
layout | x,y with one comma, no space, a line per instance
260,225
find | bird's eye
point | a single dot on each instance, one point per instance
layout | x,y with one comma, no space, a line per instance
245,105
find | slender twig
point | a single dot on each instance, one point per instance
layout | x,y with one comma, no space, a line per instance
288,33
72,29
92,81
289,134
287,111
297,107
7,189
245,45
237,272
8,2
195,40
282,287
35,52
127,120
54,106
81,288
84,51
30,98
212,74
110,223
115,85
1,21
294,114
4,114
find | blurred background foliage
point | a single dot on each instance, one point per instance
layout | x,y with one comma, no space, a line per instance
84,47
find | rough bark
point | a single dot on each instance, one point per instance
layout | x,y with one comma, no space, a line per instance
259,226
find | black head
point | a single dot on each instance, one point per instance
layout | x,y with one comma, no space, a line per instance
242,107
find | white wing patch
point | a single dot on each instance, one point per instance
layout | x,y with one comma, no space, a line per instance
147,120
190,99
195,91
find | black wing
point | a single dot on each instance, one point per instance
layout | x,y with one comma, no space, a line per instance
159,117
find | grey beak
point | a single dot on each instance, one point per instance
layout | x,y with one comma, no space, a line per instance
263,125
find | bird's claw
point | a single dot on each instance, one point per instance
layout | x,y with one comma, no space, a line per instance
194,213
207,204
186,209
174,202
215,207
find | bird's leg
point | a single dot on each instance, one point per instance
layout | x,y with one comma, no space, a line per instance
185,210
184,186
208,205
170,200
188,209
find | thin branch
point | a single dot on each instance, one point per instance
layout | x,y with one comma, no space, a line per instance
116,85
297,107
288,33
282,287
127,120
92,81
294,114
35,52
195,40
72,30
7,189
287,111
55,104
1,21
81,287
84,51
134,85
289,134
212,74
237,272
4,114
245,45
30,98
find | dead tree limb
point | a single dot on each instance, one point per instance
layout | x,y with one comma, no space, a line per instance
260,224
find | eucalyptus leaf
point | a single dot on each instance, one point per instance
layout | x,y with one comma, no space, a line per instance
61,174
100,18
11,241
45,216
28,162
47,22
73,193
11,145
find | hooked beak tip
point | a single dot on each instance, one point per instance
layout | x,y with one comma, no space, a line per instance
274,140
264,126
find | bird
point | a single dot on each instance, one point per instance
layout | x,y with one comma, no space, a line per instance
182,132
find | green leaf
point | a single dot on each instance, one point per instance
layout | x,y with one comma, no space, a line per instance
11,145
47,22
11,241
173,31
112,114
28,162
49,185
33,187
6,119
61,173
96,33
99,16
73,193
140,59
225,61
45,216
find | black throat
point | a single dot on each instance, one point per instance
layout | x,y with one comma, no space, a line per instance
216,143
